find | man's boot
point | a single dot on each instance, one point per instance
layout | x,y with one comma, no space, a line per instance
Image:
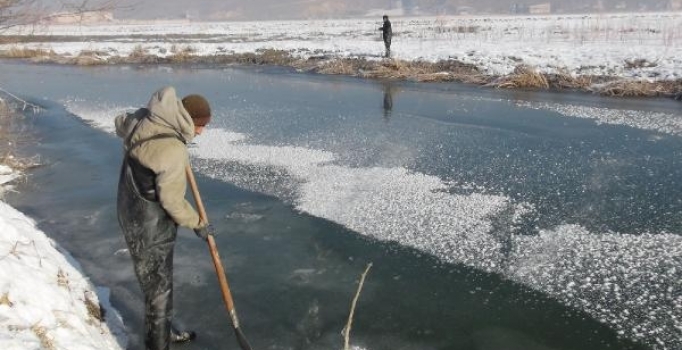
178,336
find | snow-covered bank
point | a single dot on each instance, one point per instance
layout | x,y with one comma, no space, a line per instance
629,45
45,301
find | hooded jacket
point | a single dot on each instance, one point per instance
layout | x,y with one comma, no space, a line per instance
166,157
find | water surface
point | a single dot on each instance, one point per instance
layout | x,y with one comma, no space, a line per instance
493,219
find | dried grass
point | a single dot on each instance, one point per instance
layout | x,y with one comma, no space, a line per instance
22,52
180,55
4,300
261,57
628,88
90,58
95,310
565,81
11,136
523,77
62,279
337,67
391,69
138,52
41,333
18,163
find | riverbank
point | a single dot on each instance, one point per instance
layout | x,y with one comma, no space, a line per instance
45,300
625,55
523,77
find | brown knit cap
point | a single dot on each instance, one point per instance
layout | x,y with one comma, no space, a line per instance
198,109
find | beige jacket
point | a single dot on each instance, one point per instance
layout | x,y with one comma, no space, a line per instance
166,157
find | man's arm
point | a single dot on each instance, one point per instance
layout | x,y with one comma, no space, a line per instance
171,186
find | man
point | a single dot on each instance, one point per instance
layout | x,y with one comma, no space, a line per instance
387,34
151,200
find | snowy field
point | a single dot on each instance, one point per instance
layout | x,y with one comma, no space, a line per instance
642,46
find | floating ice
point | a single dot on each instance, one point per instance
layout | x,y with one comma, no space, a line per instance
668,123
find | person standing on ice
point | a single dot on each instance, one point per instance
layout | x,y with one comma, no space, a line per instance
386,34
151,200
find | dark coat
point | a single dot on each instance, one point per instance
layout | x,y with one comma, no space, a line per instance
386,31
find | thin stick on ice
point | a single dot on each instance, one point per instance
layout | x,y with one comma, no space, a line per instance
346,330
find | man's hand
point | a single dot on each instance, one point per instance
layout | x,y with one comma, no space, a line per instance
204,231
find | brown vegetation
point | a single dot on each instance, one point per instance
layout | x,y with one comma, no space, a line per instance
352,66
17,52
261,57
41,333
62,279
642,89
181,54
420,71
95,310
4,300
11,136
565,81
523,77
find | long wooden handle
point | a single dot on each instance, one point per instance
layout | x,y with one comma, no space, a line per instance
227,295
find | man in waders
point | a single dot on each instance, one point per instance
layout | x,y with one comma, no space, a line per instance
151,200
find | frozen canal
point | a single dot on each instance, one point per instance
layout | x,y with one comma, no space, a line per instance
494,219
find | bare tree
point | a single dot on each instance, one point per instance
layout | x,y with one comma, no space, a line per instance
28,12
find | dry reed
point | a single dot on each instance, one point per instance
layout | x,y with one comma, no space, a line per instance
22,52
12,135
346,330
523,77
565,81
180,55
4,300
95,310
635,88
41,333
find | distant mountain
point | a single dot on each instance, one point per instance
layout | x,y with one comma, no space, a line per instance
307,9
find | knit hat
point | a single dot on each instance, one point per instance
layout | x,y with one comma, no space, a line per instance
198,109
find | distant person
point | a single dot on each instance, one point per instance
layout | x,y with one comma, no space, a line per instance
151,200
387,34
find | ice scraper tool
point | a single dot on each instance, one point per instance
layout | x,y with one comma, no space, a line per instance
222,279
